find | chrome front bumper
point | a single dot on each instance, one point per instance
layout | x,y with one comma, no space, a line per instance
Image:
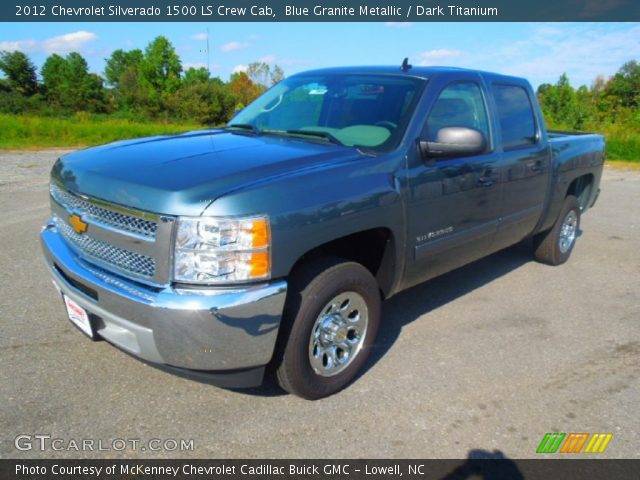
211,329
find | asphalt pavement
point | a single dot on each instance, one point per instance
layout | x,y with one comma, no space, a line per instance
488,359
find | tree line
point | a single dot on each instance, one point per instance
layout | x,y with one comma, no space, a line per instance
612,103
149,84
152,84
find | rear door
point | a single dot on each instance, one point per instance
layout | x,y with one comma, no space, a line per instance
453,202
524,162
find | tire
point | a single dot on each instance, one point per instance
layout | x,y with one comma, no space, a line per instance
330,323
554,246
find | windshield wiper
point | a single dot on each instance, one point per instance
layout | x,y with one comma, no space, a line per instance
243,126
317,133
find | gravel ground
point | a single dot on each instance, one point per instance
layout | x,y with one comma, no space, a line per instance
489,357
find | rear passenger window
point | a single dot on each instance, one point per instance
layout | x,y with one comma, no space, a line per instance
515,113
459,105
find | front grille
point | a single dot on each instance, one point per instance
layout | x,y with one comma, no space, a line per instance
125,260
118,220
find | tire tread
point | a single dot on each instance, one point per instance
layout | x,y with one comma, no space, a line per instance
545,244
306,284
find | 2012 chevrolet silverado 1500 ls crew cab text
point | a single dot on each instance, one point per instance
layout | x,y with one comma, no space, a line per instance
271,242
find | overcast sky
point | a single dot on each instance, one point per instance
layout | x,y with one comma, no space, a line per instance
537,51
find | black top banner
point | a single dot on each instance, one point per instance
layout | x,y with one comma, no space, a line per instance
317,11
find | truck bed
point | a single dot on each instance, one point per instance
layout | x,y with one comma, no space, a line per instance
574,154
579,148
552,134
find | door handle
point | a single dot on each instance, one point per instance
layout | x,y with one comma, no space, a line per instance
536,166
486,178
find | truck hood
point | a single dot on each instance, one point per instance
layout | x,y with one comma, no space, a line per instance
183,174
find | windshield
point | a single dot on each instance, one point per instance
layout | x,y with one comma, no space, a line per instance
369,111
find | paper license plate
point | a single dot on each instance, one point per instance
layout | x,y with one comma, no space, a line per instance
78,316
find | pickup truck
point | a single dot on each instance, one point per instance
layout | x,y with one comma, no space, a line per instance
269,244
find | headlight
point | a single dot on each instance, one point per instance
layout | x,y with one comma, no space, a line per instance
222,250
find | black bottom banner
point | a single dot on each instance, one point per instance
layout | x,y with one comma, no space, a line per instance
485,469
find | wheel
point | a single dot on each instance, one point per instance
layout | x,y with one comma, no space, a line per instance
330,323
555,245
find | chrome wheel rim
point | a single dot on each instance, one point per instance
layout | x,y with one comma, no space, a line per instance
568,231
338,334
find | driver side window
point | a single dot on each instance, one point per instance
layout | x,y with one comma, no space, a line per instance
459,105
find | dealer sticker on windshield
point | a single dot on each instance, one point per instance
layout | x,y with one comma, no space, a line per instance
78,316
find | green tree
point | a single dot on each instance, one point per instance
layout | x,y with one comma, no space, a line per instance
195,75
124,72
69,84
119,62
624,86
209,101
54,77
584,108
162,66
20,72
558,103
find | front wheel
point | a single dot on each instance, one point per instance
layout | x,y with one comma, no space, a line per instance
330,324
555,246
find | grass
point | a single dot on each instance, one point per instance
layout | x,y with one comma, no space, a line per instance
622,140
28,132
31,132
623,146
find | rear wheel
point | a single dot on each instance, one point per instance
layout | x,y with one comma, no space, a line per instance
330,324
555,245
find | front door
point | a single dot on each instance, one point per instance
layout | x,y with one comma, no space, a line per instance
454,203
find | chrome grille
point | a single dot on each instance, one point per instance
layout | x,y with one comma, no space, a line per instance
125,260
118,220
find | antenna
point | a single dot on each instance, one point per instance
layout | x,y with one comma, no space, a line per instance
405,65
208,69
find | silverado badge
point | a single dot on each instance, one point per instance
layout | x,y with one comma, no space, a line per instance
78,225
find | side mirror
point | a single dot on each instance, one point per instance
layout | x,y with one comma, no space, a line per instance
453,142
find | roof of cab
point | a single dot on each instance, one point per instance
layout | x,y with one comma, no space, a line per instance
414,71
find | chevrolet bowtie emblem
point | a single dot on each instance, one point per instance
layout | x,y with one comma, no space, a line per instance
78,225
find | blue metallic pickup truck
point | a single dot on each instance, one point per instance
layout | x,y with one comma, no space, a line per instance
268,245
